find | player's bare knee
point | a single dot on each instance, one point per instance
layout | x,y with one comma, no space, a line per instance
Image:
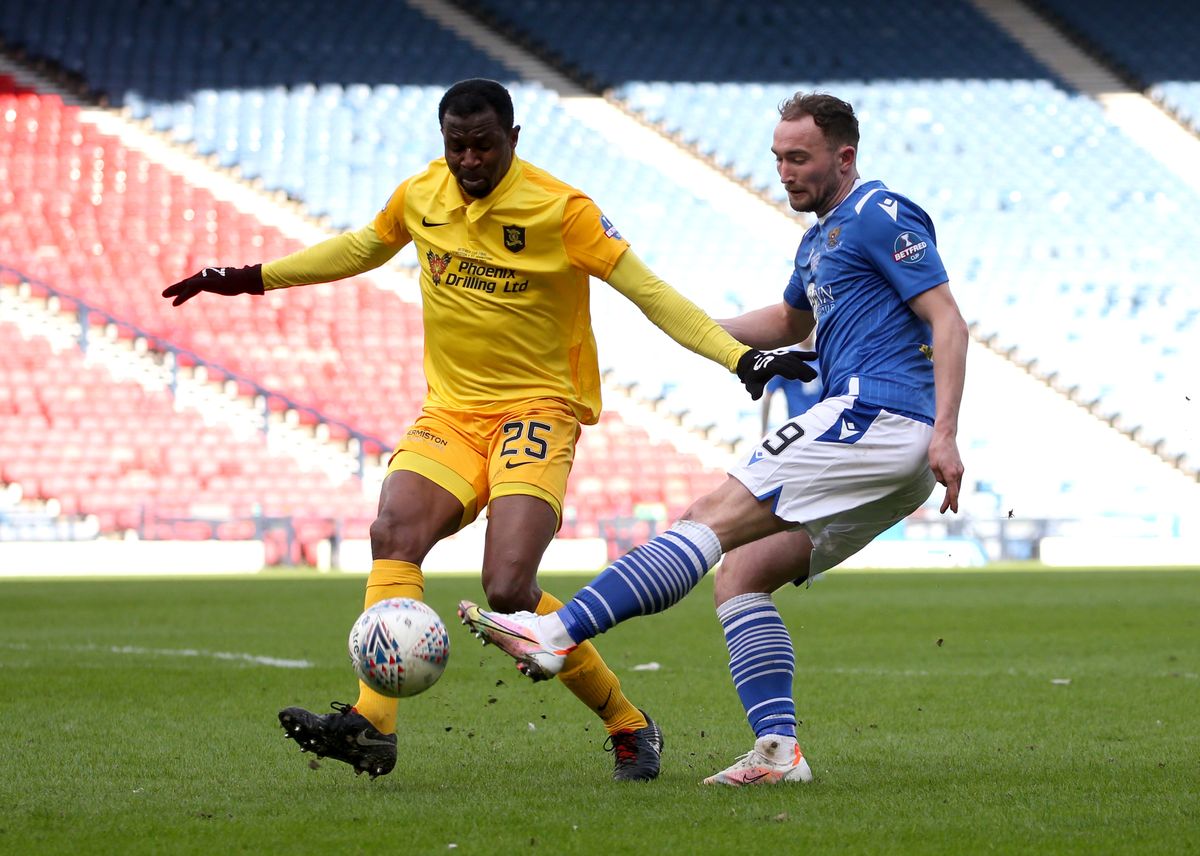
511,594
393,537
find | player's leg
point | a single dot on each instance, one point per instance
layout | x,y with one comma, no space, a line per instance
849,473
434,485
647,580
519,530
762,661
415,512
529,463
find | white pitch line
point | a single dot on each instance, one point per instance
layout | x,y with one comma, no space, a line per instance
277,662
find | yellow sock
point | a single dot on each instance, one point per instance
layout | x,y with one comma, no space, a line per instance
389,578
591,680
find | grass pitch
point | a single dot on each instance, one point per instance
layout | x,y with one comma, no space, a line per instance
942,713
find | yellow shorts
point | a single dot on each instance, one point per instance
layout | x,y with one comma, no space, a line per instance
480,456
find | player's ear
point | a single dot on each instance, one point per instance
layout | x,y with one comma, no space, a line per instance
847,156
512,138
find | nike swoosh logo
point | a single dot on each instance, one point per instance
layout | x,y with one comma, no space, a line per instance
364,740
607,699
425,222
511,466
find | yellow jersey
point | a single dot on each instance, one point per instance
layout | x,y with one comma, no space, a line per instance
504,286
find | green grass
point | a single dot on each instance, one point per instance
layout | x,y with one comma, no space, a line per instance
113,744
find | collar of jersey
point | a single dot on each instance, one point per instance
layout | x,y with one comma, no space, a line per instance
857,186
453,200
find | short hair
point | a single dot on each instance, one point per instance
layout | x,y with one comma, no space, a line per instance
832,115
476,95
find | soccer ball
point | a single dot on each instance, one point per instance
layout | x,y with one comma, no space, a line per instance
399,647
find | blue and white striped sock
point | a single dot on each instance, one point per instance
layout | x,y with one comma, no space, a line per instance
642,582
761,661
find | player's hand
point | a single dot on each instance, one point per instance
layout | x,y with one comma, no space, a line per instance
218,280
947,467
757,367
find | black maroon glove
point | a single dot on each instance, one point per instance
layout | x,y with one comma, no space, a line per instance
757,367
219,280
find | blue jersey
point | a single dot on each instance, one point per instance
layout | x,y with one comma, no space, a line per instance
856,270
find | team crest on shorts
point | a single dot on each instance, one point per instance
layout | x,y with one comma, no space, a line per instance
437,265
514,238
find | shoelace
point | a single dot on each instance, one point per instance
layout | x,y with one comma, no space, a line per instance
342,707
751,759
624,745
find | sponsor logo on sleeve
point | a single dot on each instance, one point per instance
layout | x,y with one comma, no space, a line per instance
909,248
610,231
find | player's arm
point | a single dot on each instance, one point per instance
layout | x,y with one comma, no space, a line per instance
345,255
594,245
691,326
937,308
674,314
777,326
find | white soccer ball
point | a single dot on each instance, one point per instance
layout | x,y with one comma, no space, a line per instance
399,647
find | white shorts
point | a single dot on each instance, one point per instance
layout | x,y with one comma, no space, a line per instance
843,471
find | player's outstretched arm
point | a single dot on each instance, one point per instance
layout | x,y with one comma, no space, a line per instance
937,308
691,327
228,281
339,257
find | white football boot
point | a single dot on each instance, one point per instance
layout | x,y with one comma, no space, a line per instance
773,759
519,635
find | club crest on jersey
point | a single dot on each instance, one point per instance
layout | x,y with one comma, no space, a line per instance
909,248
437,265
514,238
834,234
610,231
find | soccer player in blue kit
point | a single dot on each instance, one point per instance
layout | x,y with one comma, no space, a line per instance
892,345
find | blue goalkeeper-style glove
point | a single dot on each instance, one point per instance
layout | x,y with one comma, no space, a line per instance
217,280
757,367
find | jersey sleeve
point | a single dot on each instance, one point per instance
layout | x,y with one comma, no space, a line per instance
592,243
341,256
389,222
795,294
900,242
674,314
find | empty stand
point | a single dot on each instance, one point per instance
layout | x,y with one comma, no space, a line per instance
120,452
106,224
1066,242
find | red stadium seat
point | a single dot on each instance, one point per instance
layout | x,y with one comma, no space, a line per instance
93,218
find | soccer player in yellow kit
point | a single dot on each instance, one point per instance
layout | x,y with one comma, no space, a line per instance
506,251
